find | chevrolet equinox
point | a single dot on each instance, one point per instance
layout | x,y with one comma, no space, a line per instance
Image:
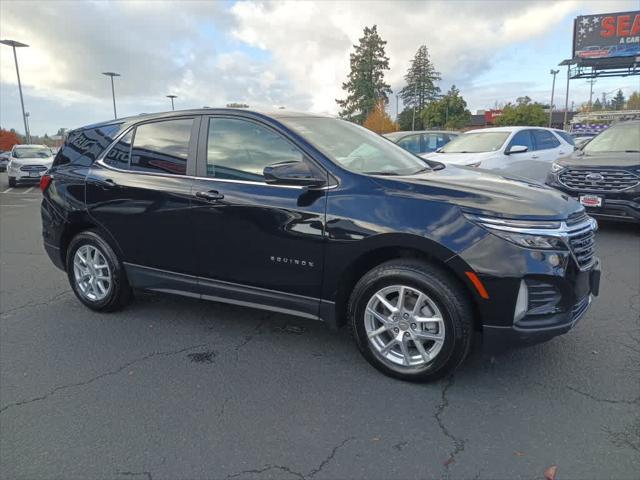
317,217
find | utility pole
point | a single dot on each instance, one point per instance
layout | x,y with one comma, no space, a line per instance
591,82
13,44
565,123
553,88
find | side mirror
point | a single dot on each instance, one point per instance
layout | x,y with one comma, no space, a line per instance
516,149
292,173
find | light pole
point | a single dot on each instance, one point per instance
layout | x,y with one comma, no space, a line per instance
591,82
172,97
26,117
113,91
14,44
553,88
565,123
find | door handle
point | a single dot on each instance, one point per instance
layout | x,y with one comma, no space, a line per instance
210,196
106,183
534,156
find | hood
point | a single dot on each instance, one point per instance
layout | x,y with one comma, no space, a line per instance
484,193
605,159
459,158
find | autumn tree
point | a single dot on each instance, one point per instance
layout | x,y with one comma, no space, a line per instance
524,112
379,120
365,86
634,101
450,111
8,138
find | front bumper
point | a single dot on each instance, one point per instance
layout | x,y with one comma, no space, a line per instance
558,292
21,175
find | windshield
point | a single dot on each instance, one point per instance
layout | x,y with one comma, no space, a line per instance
476,142
35,152
354,147
619,138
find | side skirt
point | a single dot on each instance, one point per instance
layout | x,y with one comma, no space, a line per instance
148,278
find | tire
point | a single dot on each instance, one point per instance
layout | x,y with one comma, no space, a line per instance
98,295
12,182
444,316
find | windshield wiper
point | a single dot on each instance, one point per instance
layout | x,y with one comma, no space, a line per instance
632,151
381,173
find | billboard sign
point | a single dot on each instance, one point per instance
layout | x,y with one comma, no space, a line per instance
611,35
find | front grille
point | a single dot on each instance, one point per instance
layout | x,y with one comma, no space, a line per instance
598,180
33,168
582,242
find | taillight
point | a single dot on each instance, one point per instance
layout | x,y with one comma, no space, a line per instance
45,180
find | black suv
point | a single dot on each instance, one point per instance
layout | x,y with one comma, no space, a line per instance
605,174
317,217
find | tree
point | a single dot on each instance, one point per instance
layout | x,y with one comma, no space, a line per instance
634,101
365,86
421,81
406,122
379,120
597,106
448,112
618,101
523,113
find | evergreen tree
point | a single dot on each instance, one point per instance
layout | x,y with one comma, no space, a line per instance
618,101
421,81
597,106
365,86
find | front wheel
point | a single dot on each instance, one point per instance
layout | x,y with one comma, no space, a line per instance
12,181
96,274
411,320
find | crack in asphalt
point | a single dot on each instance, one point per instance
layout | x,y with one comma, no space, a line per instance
98,377
256,331
604,400
458,443
31,305
135,474
288,470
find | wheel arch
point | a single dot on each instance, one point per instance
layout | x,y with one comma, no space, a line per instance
81,224
399,246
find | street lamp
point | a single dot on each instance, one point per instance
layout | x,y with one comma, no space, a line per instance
26,117
113,92
14,44
553,87
172,97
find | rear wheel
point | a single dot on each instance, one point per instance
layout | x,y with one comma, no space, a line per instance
411,321
96,273
12,181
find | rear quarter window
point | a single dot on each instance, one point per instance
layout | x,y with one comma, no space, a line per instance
83,146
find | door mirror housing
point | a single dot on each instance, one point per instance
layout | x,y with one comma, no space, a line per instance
516,149
293,173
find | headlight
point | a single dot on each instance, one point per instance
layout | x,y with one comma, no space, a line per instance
544,235
556,167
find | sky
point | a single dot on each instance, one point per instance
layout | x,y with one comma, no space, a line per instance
273,54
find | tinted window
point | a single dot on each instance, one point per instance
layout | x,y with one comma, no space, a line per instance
523,137
565,136
545,140
82,147
239,149
434,141
411,143
162,147
119,155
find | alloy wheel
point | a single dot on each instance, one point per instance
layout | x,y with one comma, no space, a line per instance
92,273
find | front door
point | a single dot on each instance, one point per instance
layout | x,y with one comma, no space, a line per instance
255,243
140,194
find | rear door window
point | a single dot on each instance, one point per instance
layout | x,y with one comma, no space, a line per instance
545,140
161,147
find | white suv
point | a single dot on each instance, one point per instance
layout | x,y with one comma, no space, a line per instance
28,162
522,151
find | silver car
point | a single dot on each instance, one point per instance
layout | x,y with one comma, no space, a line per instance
27,163
422,142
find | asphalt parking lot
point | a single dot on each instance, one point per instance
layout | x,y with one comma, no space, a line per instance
178,388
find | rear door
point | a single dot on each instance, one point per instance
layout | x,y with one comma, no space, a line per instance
514,164
140,191
548,150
